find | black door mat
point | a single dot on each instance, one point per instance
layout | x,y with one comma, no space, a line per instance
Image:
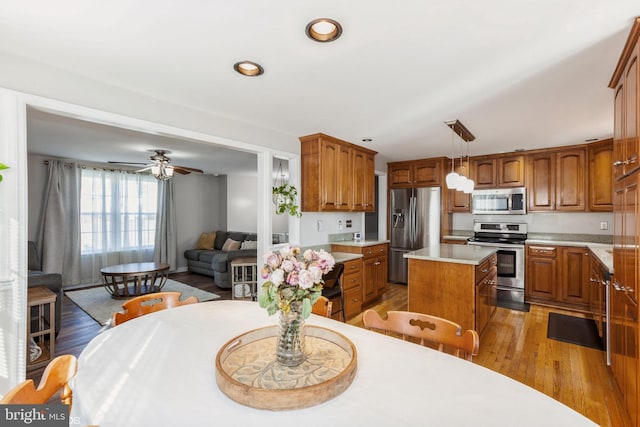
574,330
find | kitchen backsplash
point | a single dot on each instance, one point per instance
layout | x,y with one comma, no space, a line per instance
545,222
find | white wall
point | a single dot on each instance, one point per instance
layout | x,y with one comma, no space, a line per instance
199,209
242,195
546,222
310,235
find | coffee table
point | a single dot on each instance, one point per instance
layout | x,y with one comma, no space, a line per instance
134,279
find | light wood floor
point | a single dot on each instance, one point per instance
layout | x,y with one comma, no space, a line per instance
514,344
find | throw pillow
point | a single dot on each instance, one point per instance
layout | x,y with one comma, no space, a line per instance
206,241
231,245
249,244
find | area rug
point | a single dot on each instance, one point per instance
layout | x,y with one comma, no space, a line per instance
98,304
574,330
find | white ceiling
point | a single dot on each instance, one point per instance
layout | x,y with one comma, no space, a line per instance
519,74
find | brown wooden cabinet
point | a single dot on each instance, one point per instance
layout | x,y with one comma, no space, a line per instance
486,275
416,173
575,267
336,175
498,171
557,180
601,176
541,273
558,275
375,268
352,288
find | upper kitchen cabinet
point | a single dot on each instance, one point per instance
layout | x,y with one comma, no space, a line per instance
417,173
601,176
557,180
336,175
498,171
626,83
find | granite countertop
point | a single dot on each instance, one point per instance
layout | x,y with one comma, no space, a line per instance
459,254
600,245
604,253
344,256
361,243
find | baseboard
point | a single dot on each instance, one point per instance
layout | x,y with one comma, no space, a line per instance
180,270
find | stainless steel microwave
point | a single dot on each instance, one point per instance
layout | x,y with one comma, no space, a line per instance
500,201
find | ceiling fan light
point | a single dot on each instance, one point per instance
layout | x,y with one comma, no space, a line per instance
168,171
155,170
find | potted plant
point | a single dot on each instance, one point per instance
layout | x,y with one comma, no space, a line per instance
3,166
284,197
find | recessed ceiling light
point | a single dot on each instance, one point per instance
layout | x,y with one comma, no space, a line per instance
591,140
367,139
248,68
323,30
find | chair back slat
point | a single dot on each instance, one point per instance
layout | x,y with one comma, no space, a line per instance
322,307
442,333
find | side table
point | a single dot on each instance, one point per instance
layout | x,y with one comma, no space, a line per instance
244,278
41,326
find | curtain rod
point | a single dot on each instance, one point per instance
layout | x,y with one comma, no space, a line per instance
70,165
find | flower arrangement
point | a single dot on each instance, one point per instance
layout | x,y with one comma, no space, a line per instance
292,283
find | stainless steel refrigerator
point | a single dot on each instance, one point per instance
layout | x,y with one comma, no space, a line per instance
415,224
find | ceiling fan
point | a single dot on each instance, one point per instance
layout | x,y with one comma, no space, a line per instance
161,166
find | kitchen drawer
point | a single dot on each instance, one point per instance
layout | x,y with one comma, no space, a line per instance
352,302
352,267
544,251
486,267
376,250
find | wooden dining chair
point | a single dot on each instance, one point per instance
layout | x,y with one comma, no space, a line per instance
55,378
432,331
322,307
149,303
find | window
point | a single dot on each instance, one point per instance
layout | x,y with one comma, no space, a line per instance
117,211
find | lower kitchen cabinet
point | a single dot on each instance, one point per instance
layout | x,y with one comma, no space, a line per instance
375,268
352,288
558,275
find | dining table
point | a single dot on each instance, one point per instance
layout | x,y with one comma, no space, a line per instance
160,370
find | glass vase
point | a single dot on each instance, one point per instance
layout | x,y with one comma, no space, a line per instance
290,350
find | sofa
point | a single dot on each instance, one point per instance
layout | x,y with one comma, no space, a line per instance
37,277
215,260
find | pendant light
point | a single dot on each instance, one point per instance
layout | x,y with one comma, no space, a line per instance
462,183
452,177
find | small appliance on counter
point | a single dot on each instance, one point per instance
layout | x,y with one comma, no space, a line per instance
357,236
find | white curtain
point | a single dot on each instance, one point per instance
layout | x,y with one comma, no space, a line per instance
166,242
59,233
118,220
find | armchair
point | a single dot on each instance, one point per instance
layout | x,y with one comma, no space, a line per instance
53,281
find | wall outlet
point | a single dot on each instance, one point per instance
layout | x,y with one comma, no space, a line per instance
604,225
348,223
339,224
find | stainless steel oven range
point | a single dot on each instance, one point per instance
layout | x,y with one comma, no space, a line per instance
509,238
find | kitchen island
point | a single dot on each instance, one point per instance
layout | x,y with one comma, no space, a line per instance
456,282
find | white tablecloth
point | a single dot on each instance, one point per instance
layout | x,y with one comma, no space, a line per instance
159,370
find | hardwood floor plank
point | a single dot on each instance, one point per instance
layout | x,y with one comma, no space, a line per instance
513,343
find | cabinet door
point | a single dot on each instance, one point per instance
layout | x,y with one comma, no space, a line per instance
369,204
630,238
484,173
618,132
571,180
542,277
329,183
630,120
400,175
601,176
381,274
541,179
359,169
344,175
631,359
369,275
575,267
427,173
459,201
511,171
352,302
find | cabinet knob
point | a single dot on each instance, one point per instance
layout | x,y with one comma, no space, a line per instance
377,263
485,270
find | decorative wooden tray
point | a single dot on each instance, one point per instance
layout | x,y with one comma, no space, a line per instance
247,370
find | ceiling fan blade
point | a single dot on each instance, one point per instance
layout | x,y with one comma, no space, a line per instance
144,169
186,169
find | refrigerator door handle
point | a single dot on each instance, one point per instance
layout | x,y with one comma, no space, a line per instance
413,221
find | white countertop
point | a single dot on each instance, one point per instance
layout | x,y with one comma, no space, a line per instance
345,256
459,254
361,243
